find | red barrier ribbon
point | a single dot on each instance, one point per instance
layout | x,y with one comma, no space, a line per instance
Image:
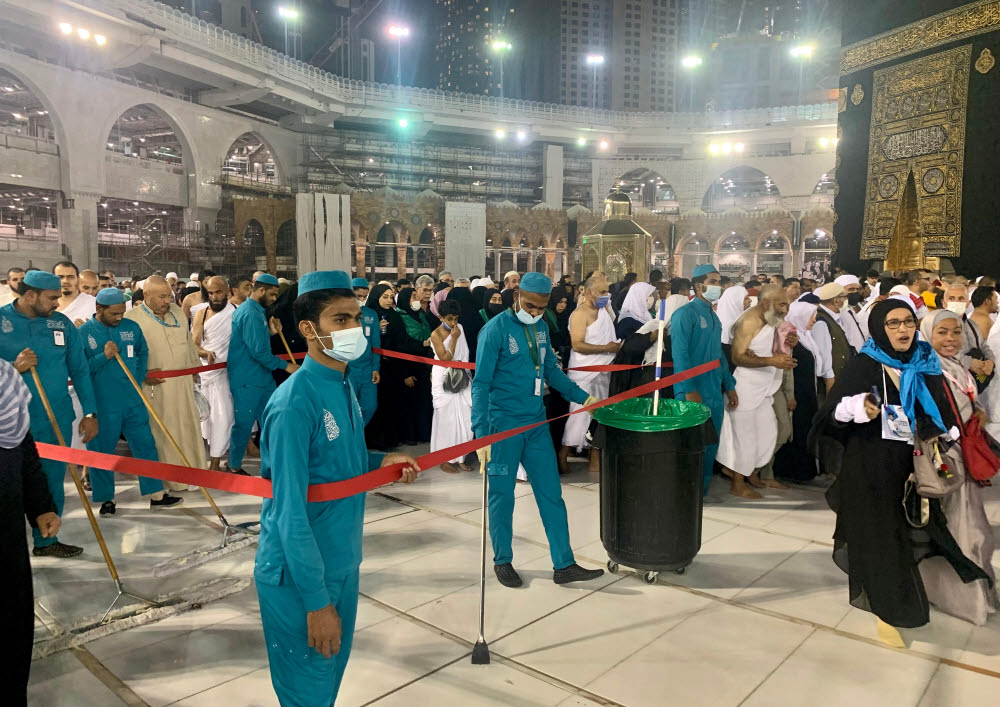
256,486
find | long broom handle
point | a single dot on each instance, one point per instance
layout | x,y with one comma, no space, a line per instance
482,561
288,348
166,432
76,478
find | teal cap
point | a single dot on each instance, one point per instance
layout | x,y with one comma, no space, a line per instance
703,270
536,282
110,296
41,280
266,279
324,280
359,282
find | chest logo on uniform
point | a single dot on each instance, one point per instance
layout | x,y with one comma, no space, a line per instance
704,323
92,342
6,326
540,337
54,324
126,335
332,431
512,345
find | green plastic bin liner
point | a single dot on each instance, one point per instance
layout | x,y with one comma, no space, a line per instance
637,415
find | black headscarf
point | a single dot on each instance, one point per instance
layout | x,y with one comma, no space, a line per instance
562,319
876,326
477,296
373,300
403,300
469,317
487,296
508,298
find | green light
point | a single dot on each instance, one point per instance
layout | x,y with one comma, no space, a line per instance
403,122
581,141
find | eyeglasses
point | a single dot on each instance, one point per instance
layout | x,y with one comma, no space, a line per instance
894,324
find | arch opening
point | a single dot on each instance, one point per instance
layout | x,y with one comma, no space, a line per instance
249,159
741,187
144,132
649,190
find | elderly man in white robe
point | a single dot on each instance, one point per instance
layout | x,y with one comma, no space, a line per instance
749,431
451,393
165,328
212,328
849,319
595,343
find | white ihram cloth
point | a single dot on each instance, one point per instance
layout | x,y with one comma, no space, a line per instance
750,432
730,309
600,333
84,307
215,337
452,422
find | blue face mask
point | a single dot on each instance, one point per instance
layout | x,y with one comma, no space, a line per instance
345,345
445,325
526,318
602,301
713,292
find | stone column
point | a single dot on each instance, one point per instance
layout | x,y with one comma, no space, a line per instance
550,259
552,176
77,217
359,253
400,261
201,219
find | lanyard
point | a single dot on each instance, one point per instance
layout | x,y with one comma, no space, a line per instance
533,347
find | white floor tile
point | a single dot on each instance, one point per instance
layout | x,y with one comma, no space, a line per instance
956,686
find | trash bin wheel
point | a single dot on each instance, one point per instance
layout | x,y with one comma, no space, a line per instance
650,577
612,567
680,570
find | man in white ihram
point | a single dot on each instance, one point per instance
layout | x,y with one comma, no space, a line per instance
212,329
750,430
79,307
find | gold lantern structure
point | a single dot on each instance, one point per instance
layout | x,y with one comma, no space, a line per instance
618,245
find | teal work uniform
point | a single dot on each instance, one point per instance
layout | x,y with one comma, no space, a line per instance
121,411
359,371
249,364
59,348
696,338
312,432
507,393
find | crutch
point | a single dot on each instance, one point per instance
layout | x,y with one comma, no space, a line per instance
226,527
659,353
122,591
481,651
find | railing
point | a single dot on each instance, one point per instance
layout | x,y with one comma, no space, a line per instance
296,72
16,140
143,163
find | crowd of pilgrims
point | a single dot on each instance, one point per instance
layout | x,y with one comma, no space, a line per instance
851,385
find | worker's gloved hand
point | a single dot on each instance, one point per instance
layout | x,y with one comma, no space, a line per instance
591,400
484,456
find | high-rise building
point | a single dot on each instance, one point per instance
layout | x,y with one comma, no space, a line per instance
464,55
637,40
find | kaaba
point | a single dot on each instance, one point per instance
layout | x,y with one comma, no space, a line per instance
919,118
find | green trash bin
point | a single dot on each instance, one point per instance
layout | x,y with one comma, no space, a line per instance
651,482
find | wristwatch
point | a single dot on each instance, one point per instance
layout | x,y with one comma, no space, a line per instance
91,415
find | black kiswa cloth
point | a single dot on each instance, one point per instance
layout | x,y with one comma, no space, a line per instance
873,543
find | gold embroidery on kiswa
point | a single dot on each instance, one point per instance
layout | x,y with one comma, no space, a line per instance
916,153
857,95
842,99
985,62
966,21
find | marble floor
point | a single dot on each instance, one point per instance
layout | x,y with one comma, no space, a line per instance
760,618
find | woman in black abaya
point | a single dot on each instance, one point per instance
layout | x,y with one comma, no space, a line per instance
874,543
416,407
469,318
381,432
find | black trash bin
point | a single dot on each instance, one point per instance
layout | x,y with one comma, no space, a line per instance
651,483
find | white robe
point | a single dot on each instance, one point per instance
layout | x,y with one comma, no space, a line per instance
84,307
851,324
600,333
215,384
452,422
750,432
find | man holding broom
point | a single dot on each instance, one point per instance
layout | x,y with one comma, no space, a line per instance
109,339
307,565
34,336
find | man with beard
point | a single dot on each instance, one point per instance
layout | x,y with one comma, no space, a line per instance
119,406
212,330
750,430
250,364
35,335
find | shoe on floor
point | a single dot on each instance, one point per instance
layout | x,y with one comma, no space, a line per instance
86,482
507,575
107,509
575,573
237,471
166,502
57,549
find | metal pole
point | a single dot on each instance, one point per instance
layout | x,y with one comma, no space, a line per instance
286,37
399,61
593,89
501,74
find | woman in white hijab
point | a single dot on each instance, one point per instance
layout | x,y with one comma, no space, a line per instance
732,304
638,332
794,461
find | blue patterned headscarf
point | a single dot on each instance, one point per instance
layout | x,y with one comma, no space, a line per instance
913,364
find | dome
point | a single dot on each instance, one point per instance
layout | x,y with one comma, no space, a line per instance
617,205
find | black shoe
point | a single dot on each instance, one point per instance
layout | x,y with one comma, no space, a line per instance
107,509
575,573
238,471
57,549
508,576
166,502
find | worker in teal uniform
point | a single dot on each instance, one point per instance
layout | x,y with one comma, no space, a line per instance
364,371
514,361
696,338
250,363
119,406
307,562
33,333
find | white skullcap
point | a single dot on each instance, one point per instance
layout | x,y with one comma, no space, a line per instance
900,290
172,275
846,280
475,283
194,277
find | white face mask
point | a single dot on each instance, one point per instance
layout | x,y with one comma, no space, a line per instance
362,300
415,305
345,345
650,302
957,307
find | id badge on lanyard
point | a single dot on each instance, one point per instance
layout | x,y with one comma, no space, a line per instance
895,425
538,371
58,337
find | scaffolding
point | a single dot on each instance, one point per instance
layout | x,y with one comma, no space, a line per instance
369,161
